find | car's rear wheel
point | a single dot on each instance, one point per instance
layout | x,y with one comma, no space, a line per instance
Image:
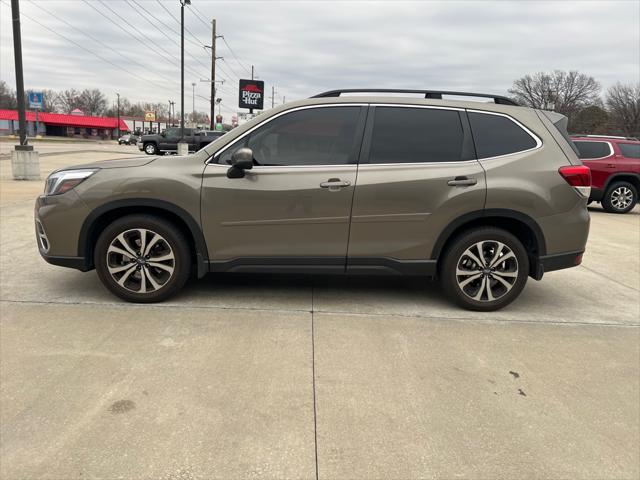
151,149
142,258
484,269
620,197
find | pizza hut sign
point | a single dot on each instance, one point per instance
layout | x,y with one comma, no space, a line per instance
252,94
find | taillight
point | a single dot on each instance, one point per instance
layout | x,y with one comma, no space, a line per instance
579,177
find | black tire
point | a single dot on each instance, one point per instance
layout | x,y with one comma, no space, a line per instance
151,149
455,256
172,241
616,196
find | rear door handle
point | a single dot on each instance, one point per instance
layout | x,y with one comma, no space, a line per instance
611,165
462,181
335,184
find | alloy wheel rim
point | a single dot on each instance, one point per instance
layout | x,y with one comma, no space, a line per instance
140,260
621,198
149,148
487,271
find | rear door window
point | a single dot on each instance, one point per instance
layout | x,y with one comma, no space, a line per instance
590,150
415,135
496,135
630,150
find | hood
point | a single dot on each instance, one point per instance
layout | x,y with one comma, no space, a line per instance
121,163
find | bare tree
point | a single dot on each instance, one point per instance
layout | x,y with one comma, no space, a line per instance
92,102
563,92
591,120
8,99
624,107
68,100
49,100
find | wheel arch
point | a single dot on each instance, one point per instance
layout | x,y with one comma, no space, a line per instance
102,216
525,228
630,177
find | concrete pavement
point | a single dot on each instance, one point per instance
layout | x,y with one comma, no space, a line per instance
326,377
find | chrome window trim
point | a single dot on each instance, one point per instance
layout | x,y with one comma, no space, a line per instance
611,152
278,115
417,164
537,139
521,125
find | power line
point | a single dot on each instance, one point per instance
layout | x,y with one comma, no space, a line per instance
22,14
200,16
178,21
152,46
234,55
97,40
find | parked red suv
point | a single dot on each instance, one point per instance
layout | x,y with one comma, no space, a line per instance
615,170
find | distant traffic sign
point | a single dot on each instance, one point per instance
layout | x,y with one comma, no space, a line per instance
252,94
35,100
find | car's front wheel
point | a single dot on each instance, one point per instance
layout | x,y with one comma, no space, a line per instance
142,258
620,197
151,149
484,269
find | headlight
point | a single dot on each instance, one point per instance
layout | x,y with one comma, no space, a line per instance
61,182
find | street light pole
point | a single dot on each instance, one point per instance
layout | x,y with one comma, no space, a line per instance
193,100
182,4
118,126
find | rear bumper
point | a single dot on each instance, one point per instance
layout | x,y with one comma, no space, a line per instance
596,194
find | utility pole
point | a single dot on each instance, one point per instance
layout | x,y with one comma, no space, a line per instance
251,72
283,99
212,113
273,95
118,127
170,113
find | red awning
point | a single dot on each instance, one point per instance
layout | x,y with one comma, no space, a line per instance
82,121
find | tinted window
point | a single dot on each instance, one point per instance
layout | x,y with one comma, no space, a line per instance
630,150
411,135
496,135
317,136
593,149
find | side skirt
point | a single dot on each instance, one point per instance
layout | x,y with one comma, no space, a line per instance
326,265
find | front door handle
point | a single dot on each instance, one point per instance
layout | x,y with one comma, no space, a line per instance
611,165
335,184
462,181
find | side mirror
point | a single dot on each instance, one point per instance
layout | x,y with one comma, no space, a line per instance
241,160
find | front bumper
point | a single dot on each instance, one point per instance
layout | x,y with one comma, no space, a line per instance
58,222
79,263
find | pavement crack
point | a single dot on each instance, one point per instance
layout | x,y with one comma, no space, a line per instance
313,382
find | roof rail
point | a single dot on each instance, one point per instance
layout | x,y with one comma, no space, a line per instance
436,94
603,136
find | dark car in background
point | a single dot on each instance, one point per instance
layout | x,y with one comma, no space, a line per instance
615,170
167,141
128,139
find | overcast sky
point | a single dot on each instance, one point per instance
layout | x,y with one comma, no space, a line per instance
305,47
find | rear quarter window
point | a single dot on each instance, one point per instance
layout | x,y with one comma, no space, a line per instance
496,135
590,150
630,150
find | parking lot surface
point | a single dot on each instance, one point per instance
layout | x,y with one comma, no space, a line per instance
315,377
